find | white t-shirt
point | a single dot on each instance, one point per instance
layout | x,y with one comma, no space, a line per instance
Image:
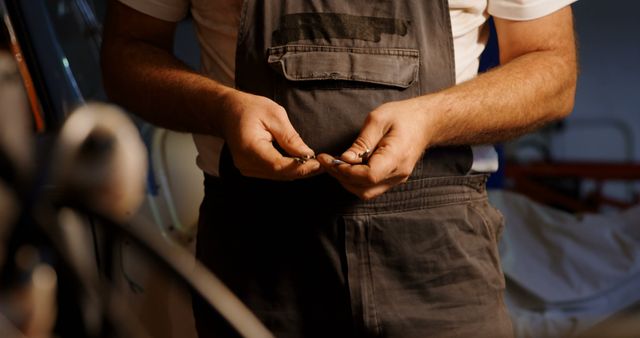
217,24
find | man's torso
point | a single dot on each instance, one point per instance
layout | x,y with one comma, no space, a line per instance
217,24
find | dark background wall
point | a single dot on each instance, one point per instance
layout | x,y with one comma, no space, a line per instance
608,96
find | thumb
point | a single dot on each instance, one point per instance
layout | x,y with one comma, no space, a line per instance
289,139
364,145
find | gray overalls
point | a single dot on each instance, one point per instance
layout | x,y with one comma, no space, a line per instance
311,259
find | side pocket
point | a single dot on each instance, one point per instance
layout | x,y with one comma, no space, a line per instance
492,219
500,221
491,229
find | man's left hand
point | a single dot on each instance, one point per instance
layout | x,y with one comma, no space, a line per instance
392,140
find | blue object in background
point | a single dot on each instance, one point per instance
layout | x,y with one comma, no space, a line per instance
489,59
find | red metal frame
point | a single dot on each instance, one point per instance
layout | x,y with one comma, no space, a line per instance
523,179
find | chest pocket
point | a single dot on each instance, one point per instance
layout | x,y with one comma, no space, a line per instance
328,90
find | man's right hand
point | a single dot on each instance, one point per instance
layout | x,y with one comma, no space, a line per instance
250,126
141,73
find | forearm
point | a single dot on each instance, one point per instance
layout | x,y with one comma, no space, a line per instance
152,83
534,86
510,100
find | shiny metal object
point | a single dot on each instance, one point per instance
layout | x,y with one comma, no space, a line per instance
365,155
303,159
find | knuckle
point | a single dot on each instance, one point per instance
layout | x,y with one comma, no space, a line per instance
362,143
305,171
404,173
291,137
245,148
302,171
378,115
241,147
279,111
276,167
244,171
368,195
247,171
372,178
239,162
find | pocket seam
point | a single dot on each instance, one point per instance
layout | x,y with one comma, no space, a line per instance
276,58
485,220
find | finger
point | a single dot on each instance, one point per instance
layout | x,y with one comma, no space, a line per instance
372,132
272,165
382,166
300,170
373,192
330,165
368,193
336,168
329,162
393,180
289,139
365,192
359,174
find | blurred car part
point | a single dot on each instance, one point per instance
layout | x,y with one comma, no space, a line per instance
175,189
101,161
57,43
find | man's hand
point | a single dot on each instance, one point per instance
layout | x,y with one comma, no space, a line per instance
141,73
251,125
392,140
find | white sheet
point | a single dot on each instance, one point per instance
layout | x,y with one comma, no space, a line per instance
566,272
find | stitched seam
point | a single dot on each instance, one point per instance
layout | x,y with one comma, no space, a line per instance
485,221
402,52
243,22
331,76
374,314
422,206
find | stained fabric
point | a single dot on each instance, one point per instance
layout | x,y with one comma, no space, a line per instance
326,26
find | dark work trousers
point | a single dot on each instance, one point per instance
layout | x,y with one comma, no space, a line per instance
310,264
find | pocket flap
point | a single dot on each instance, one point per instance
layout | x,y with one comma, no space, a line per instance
386,66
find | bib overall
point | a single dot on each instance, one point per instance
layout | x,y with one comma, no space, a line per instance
311,259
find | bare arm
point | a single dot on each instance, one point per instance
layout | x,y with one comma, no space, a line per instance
535,85
141,74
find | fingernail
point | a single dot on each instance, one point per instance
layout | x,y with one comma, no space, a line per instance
337,162
350,155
